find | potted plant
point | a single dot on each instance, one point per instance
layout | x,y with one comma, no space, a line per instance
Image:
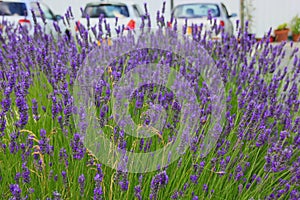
295,27
281,33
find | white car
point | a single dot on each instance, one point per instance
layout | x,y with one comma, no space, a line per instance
127,14
18,12
197,13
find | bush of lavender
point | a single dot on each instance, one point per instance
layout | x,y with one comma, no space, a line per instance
44,152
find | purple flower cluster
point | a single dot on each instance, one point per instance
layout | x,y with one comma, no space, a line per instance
15,191
63,157
81,181
158,181
138,189
98,192
78,147
35,110
45,147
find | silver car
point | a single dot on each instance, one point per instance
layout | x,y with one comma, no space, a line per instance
197,13
129,14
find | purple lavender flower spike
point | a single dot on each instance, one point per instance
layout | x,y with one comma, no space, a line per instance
81,181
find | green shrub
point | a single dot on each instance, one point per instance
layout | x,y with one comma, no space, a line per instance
295,25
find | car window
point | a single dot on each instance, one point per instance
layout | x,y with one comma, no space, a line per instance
137,10
196,10
47,12
13,9
225,10
107,10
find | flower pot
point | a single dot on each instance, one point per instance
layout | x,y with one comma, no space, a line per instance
281,35
296,37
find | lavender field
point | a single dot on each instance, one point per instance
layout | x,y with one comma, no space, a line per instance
48,142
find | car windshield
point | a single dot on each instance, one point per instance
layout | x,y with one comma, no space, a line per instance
196,10
47,12
107,10
13,8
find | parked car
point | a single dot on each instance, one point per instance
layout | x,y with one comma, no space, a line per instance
197,13
18,12
128,14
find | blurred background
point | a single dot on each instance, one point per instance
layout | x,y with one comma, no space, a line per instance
263,14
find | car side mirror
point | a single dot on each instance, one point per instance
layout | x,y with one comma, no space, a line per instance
233,15
58,17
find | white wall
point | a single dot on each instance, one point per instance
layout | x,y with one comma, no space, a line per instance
267,13
271,13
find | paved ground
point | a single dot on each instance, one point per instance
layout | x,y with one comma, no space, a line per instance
287,46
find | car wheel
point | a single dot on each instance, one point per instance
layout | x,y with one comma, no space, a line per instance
68,33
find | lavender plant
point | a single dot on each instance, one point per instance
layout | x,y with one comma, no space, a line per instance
42,152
